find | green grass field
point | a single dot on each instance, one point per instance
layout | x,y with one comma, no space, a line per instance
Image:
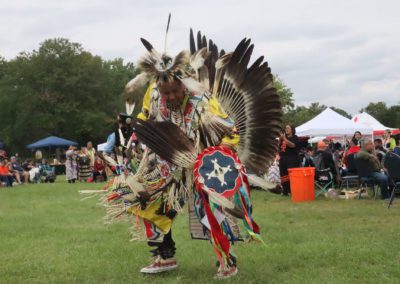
47,235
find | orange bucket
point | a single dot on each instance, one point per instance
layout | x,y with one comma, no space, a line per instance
302,184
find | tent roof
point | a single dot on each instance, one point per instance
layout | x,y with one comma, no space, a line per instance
331,123
368,120
51,141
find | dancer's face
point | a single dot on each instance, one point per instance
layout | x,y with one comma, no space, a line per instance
173,92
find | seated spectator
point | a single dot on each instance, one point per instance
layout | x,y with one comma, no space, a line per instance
47,172
353,148
367,153
379,149
15,173
99,169
323,160
5,175
308,157
34,175
20,174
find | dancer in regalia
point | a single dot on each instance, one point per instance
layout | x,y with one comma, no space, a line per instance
206,116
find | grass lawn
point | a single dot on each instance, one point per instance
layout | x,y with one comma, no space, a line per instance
47,235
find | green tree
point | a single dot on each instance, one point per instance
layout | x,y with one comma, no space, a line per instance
388,116
63,90
341,112
302,114
286,95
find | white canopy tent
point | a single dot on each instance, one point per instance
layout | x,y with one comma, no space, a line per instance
365,119
330,123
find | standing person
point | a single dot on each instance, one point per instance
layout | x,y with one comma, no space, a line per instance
289,155
388,140
91,152
187,126
71,165
83,161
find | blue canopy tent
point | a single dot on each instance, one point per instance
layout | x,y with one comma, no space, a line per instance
51,141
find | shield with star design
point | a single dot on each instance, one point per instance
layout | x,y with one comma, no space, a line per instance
218,169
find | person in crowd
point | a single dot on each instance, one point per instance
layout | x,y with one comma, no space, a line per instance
379,149
396,149
71,167
367,152
84,169
38,156
388,140
289,156
5,175
353,149
33,175
17,158
358,137
47,172
273,176
91,152
324,160
99,169
17,171
17,165
337,154
3,154
308,157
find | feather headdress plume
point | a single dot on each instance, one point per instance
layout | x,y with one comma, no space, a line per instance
162,67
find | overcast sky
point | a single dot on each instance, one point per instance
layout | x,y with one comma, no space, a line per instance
343,53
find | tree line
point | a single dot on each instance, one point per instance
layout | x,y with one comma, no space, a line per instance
297,115
63,90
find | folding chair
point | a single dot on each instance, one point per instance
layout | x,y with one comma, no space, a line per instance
323,180
323,176
392,164
365,170
351,173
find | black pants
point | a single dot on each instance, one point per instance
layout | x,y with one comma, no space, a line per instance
8,180
285,163
96,174
165,249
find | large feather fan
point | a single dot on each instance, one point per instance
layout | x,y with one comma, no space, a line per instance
168,141
247,96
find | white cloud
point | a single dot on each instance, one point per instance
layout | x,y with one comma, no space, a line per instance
340,53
